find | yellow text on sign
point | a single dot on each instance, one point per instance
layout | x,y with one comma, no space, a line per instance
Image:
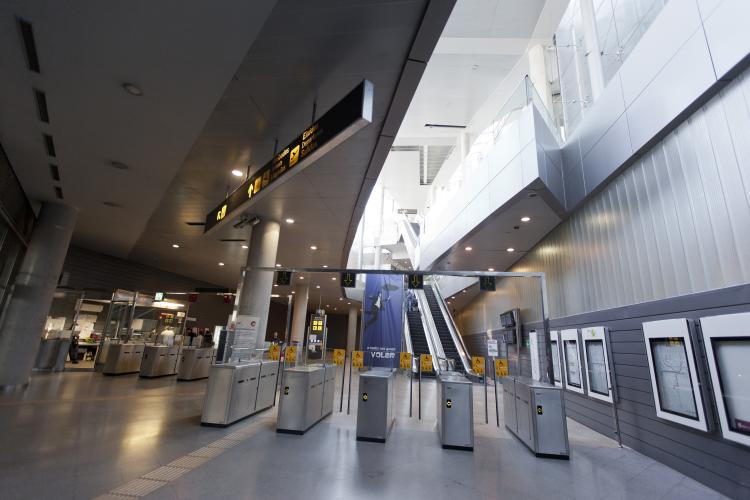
405,360
273,352
290,354
358,359
425,361
338,356
477,363
501,367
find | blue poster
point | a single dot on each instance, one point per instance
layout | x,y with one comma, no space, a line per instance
382,316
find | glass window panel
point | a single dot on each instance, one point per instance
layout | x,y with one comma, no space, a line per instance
572,369
732,355
597,367
672,373
555,361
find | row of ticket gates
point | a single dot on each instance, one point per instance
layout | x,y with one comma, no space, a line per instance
533,411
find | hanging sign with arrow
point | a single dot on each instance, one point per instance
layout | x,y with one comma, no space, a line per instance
348,280
415,281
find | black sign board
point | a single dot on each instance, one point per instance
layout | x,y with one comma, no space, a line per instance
348,280
415,281
346,117
487,283
283,278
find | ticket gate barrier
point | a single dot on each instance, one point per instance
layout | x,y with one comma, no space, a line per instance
237,390
535,413
120,359
195,363
306,397
455,412
159,361
375,408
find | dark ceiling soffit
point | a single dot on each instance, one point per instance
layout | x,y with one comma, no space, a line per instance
434,20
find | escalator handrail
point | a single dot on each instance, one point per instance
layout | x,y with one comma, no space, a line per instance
407,337
430,330
458,341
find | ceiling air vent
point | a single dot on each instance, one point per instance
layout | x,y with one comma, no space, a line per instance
231,240
41,105
193,223
27,35
49,144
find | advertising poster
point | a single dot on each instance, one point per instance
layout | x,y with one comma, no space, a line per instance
382,316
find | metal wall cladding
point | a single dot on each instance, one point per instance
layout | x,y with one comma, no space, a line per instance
676,222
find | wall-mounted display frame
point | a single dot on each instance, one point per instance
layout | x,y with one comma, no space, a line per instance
596,363
674,372
554,339
727,342
572,361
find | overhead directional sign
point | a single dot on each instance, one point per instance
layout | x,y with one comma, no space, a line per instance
349,115
487,283
348,280
415,281
283,278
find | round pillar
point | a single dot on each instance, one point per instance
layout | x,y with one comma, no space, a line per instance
299,314
257,286
351,336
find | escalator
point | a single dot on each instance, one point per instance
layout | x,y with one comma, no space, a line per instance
443,332
416,330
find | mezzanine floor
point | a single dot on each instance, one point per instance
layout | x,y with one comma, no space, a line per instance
82,435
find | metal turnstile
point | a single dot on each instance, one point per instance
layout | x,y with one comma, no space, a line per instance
122,358
306,397
375,407
238,390
159,361
535,413
195,363
455,412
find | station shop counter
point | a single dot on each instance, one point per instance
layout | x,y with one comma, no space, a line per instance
195,363
455,412
120,359
535,412
306,397
159,361
238,390
375,407
52,354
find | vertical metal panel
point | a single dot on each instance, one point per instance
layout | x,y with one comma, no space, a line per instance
674,223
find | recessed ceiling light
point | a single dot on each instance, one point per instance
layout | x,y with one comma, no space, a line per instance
275,285
278,265
313,247
348,303
335,308
221,263
317,286
292,291
525,219
301,277
490,269
290,221
237,173
333,279
175,245
328,305
453,298
118,165
132,89
245,247
341,298
468,249
325,265
511,249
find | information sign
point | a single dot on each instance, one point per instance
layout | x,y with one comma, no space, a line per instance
477,364
492,348
405,360
358,359
348,280
415,281
501,367
425,361
339,355
273,352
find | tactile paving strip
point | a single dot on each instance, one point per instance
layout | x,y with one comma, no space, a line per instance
207,452
165,473
189,462
224,443
138,487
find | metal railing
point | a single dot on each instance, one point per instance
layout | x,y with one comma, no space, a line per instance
458,341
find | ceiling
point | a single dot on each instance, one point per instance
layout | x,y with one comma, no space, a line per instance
221,84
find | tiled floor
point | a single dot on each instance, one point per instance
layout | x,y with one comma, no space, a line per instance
80,435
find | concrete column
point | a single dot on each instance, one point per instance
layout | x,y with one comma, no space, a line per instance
257,286
299,313
33,291
351,331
